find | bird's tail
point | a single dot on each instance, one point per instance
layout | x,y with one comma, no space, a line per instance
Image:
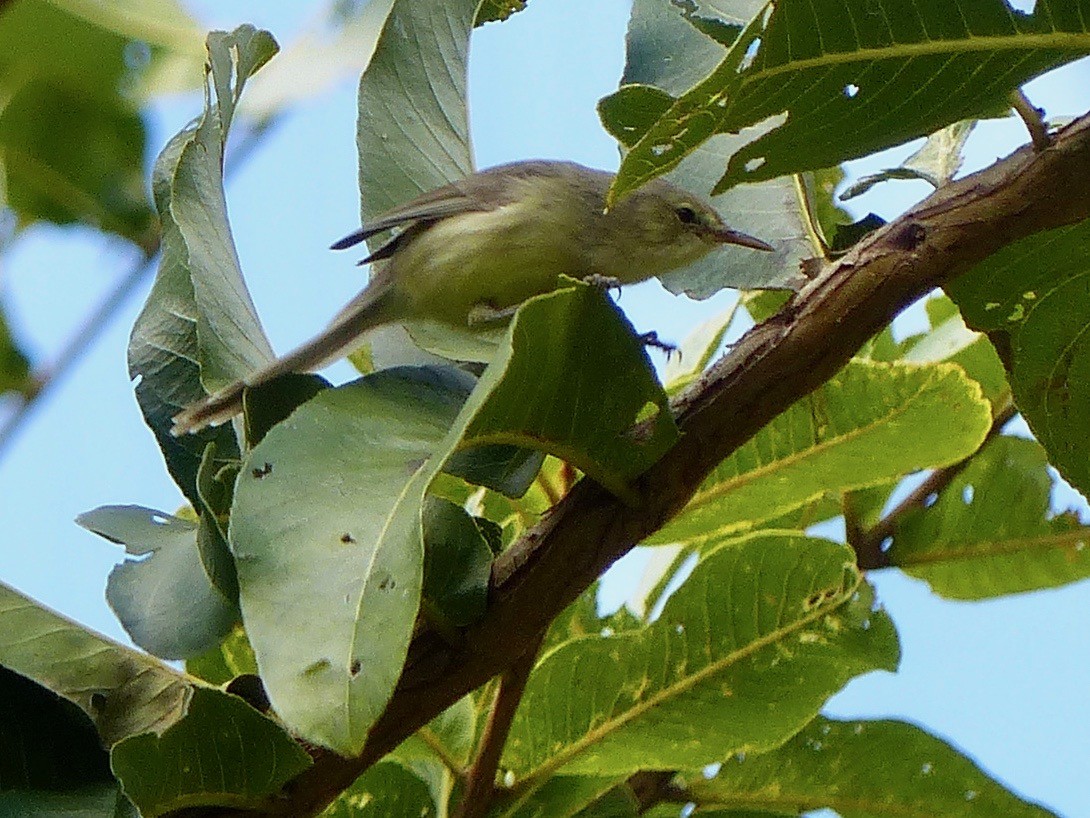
366,312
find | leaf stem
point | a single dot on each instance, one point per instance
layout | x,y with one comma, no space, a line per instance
868,544
1032,117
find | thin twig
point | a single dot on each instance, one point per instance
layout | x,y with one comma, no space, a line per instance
1032,117
868,545
481,778
95,324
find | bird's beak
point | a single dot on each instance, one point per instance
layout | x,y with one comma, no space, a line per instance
724,235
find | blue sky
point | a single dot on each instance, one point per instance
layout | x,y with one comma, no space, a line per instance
1004,679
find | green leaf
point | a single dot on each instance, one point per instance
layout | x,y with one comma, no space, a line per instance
166,600
387,790
413,128
352,569
223,753
935,162
124,692
329,518
861,769
458,563
765,629
198,328
573,379
869,424
1032,300
990,532
845,78
950,340
658,32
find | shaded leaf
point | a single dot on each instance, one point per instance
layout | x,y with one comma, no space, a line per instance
765,629
845,78
862,770
124,692
990,532
562,796
497,10
223,751
166,600
46,742
867,425
93,801
458,564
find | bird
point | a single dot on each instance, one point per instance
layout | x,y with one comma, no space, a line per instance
468,253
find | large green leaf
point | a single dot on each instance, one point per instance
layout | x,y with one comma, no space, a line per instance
562,796
198,328
844,78
659,31
1032,298
326,533
124,692
869,424
990,532
761,634
880,769
166,599
327,508
222,753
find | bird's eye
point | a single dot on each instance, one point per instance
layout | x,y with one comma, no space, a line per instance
686,215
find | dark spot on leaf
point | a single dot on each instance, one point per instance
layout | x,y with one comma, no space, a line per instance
347,538
355,667
98,701
316,667
263,471
413,466
387,583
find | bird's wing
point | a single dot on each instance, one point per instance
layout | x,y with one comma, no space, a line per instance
449,200
478,192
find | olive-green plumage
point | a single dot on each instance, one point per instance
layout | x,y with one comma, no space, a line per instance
475,249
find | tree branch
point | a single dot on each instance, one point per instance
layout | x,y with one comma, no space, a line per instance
481,781
1031,118
775,364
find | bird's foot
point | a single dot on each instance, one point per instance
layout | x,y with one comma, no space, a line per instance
603,283
651,339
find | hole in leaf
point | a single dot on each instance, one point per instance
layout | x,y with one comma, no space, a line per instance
753,164
851,90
